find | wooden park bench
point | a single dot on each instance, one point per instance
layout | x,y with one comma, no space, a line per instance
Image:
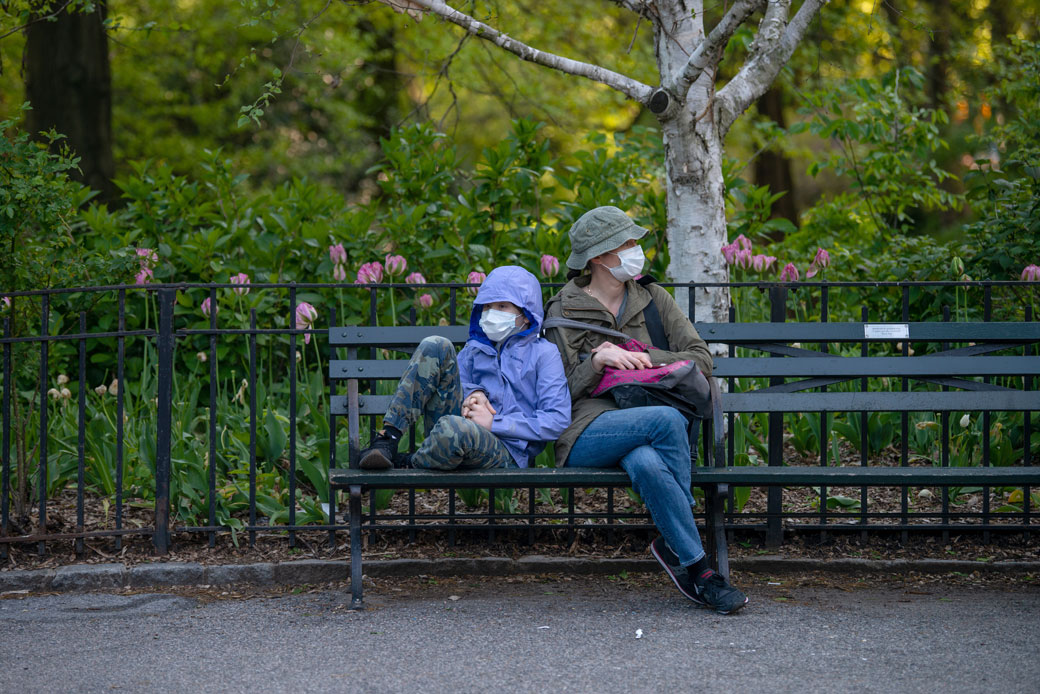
951,368
796,379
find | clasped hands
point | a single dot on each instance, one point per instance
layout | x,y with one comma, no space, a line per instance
609,354
478,408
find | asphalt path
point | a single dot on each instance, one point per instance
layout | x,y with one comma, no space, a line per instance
558,634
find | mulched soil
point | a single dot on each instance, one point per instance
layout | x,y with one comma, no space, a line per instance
273,546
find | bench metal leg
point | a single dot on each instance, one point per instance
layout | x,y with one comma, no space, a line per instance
355,547
718,552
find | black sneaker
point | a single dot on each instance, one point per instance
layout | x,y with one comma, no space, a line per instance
713,591
403,461
717,593
380,455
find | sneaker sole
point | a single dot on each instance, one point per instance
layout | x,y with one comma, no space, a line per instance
375,461
671,575
732,611
696,600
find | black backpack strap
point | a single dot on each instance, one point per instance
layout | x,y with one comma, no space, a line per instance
580,325
654,324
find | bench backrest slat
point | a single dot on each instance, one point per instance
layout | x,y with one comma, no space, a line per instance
394,336
367,368
853,367
737,333
882,401
367,404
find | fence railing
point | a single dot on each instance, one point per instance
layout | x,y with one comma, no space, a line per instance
159,409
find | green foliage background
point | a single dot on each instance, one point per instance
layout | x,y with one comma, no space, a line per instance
249,137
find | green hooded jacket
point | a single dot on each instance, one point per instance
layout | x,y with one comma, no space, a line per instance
572,302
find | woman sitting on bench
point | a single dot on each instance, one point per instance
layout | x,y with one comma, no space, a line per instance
650,443
497,404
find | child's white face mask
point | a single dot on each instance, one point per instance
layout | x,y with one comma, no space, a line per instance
632,260
497,324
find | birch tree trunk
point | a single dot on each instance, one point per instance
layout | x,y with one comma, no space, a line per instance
693,164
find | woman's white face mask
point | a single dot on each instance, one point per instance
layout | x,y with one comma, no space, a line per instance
497,325
631,266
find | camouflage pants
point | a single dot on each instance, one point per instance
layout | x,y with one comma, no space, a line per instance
431,388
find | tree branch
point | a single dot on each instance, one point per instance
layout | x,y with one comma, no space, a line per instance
800,24
40,18
631,88
640,7
772,48
709,51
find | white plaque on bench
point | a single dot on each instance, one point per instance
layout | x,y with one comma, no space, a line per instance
886,331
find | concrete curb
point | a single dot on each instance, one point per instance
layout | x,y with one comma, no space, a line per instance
86,577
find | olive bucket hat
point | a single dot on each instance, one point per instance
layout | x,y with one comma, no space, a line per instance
600,230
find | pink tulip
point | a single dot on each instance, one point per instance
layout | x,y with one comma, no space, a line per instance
205,307
822,258
1031,273
395,264
305,317
338,254
744,242
475,277
243,279
743,258
369,273
6,300
147,256
415,278
426,301
789,273
811,272
339,272
729,251
762,262
550,265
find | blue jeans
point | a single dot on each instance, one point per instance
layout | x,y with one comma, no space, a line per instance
653,447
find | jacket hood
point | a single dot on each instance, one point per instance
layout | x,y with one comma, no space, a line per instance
516,285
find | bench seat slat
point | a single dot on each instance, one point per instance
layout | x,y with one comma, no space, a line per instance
883,401
855,367
869,476
499,477
737,333
747,475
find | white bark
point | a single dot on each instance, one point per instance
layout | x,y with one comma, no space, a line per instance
693,161
696,212
773,46
631,88
709,51
640,7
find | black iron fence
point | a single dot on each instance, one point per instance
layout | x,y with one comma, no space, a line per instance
203,409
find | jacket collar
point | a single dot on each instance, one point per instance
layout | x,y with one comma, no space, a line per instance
574,298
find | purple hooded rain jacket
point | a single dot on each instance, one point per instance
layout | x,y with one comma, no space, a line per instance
523,374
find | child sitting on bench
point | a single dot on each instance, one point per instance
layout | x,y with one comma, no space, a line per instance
497,403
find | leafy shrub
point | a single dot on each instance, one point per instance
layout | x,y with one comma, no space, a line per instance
1005,185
